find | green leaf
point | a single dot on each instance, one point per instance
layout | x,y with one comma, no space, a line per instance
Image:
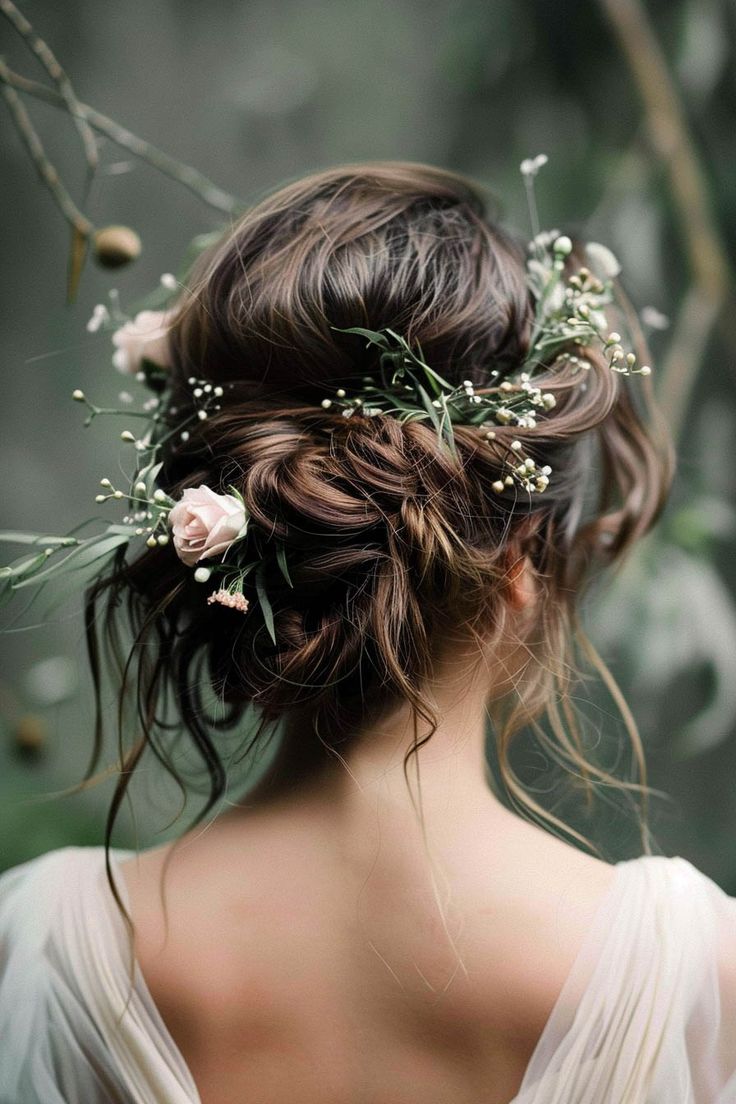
236,494
281,560
127,530
24,566
151,474
446,426
431,410
84,555
264,603
36,538
374,337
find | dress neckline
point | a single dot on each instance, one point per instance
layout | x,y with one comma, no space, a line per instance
600,922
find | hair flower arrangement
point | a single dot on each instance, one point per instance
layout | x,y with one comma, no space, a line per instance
207,525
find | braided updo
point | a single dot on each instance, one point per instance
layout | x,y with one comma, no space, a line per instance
394,547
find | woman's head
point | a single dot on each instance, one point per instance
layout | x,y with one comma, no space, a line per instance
395,549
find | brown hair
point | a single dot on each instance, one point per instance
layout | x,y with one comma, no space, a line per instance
392,544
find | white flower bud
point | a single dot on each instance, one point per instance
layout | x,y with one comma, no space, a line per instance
202,574
151,542
100,314
78,395
530,166
140,488
603,262
100,498
562,246
159,495
126,435
105,483
653,318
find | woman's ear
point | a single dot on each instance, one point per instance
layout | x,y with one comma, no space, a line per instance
520,584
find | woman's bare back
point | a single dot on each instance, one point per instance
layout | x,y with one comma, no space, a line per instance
305,963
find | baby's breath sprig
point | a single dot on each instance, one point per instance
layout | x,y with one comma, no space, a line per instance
570,309
569,316
407,388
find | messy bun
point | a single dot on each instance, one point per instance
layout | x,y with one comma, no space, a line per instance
394,547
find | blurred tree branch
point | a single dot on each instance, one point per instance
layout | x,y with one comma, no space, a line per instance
58,75
668,131
183,174
84,118
48,174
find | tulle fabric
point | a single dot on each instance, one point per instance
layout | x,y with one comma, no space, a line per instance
647,1014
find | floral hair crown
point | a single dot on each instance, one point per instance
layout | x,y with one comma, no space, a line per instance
209,529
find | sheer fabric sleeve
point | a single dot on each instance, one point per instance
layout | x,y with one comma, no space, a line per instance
71,1027
648,1012
711,1029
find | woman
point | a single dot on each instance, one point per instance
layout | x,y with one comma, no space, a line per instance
369,923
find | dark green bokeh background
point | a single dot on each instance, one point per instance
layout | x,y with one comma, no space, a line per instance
254,93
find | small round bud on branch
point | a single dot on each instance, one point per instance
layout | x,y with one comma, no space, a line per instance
115,246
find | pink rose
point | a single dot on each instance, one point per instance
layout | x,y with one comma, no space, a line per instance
146,336
205,524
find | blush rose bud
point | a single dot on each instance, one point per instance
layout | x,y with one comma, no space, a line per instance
204,524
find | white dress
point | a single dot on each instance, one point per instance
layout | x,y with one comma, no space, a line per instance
647,1014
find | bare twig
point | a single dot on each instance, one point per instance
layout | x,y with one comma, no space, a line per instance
46,171
669,134
190,178
58,75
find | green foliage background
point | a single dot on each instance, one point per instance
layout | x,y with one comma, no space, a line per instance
256,93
